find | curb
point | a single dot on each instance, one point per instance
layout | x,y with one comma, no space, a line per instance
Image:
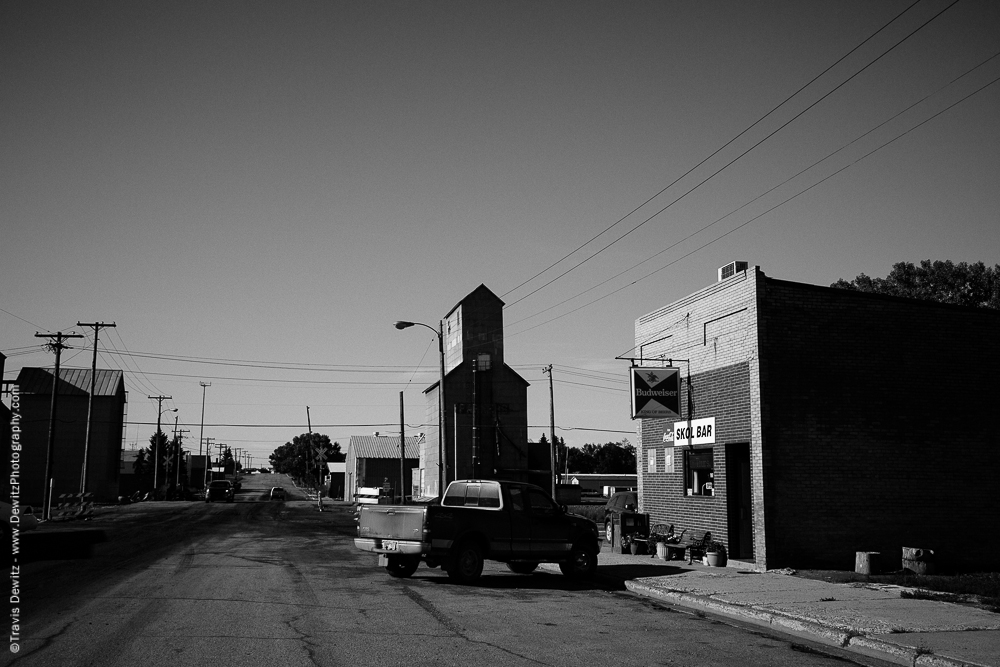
788,624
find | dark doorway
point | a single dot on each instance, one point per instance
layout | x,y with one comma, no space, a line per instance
740,507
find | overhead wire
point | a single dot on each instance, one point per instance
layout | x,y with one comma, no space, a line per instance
718,150
278,365
757,217
37,327
767,192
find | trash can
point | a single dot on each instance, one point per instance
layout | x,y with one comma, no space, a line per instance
627,523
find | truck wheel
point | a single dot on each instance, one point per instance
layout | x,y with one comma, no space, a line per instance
522,568
467,564
402,566
582,562
607,532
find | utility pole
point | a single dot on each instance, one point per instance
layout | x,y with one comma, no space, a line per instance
402,454
56,346
221,462
156,453
201,434
552,429
181,433
90,400
208,458
320,457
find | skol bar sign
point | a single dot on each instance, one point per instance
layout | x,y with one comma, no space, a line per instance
656,392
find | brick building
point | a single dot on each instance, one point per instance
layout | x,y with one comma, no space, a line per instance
840,422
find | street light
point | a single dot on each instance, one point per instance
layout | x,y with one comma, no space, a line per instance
156,456
440,335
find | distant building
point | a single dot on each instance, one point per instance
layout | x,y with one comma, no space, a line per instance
372,460
335,481
486,403
35,386
601,483
819,422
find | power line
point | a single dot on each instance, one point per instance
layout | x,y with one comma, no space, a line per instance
744,224
713,154
277,365
2,310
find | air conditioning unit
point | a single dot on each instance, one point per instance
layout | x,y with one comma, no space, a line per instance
731,269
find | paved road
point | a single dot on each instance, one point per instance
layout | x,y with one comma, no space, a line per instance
280,584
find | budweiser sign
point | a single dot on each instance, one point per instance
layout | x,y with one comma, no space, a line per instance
656,392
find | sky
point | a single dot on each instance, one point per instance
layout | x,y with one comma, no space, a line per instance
253,192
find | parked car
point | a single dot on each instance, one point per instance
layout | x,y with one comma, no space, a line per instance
278,493
510,522
622,502
220,489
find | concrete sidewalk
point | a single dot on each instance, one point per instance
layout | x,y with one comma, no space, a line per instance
870,619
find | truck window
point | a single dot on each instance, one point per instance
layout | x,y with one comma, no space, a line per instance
455,495
516,499
472,495
489,496
478,494
540,503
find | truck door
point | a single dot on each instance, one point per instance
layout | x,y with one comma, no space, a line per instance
549,528
520,522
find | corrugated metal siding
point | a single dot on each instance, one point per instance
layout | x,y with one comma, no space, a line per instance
382,447
71,381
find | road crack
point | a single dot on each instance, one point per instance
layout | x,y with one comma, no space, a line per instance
457,631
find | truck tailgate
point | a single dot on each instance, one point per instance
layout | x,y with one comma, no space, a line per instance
391,529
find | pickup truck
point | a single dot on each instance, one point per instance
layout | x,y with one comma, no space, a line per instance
511,522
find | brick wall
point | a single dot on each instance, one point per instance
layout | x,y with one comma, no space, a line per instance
712,332
721,393
868,418
879,430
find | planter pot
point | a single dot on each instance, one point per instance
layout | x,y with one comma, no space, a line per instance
661,551
637,548
715,559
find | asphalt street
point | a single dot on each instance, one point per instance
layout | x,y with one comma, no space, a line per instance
259,582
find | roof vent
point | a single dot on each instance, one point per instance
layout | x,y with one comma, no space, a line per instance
731,269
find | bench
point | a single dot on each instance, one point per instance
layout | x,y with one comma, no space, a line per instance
690,541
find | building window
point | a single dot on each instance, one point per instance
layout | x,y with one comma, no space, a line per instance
668,459
699,472
650,460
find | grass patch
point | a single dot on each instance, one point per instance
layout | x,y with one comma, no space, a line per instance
593,512
944,587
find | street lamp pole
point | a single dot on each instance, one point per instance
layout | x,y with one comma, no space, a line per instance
156,454
441,402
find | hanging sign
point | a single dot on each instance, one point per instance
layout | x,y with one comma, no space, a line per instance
656,392
694,432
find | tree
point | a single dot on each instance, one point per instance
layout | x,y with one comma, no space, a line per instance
143,464
962,284
610,458
167,473
296,458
